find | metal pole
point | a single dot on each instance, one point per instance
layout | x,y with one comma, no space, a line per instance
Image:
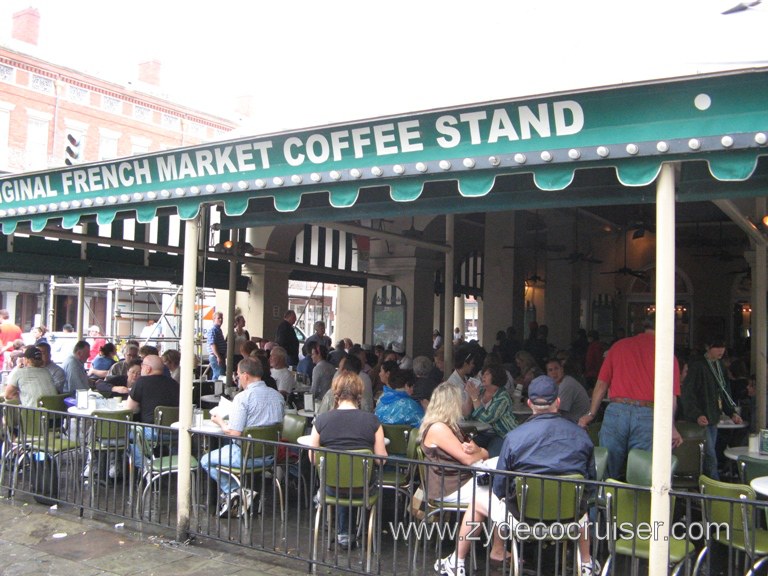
665,355
80,307
234,266
448,294
759,321
191,233
51,304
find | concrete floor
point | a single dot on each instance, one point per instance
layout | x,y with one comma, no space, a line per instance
38,540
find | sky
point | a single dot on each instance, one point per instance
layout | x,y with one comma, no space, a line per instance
314,63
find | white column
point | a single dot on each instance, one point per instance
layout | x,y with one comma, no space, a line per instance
663,413
10,305
458,311
191,235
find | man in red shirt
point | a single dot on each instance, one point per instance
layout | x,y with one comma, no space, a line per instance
9,332
628,371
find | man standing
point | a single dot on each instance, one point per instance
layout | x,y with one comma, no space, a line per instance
706,395
9,332
628,370
217,347
74,368
257,405
319,337
152,389
285,336
545,444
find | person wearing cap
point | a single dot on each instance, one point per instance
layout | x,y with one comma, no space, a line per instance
31,380
628,372
547,444
706,395
404,361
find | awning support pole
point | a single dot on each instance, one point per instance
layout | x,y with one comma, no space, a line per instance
665,353
448,295
80,308
759,321
187,370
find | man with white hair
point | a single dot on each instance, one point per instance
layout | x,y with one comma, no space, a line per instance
404,361
284,378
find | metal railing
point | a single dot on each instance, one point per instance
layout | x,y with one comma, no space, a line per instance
77,460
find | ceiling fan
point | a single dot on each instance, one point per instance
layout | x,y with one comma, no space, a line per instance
626,270
577,255
640,226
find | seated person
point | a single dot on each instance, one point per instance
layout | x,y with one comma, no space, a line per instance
120,385
172,360
491,404
548,444
396,405
30,379
103,362
257,405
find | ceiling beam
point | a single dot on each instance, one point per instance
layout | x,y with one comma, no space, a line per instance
372,233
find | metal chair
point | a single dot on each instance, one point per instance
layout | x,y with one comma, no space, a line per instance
639,465
289,463
544,501
109,436
690,456
349,475
628,509
257,458
154,469
398,474
166,415
729,505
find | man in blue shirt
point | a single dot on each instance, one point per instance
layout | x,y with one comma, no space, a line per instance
217,347
548,444
256,405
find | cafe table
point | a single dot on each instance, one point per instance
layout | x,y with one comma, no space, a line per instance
733,452
476,424
760,485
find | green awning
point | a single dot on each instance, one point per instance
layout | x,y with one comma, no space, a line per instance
721,120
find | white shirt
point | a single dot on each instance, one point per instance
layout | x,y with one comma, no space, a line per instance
284,379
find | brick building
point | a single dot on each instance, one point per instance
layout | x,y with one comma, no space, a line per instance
46,107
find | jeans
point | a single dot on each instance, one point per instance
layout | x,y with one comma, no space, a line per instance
229,456
710,452
216,368
625,427
152,436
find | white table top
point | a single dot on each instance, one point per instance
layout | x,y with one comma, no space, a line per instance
730,425
760,485
734,452
208,427
306,414
90,410
210,398
305,440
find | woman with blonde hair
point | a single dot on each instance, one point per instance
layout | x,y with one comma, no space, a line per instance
443,442
529,369
347,427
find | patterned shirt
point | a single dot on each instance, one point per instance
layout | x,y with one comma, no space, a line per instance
497,413
257,405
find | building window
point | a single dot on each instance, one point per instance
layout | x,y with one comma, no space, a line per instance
389,309
171,121
42,84
6,73
37,144
110,104
5,123
108,141
142,113
77,94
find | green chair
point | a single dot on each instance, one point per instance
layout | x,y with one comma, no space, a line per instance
690,456
166,415
639,467
628,509
751,468
593,429
601,462
154,469
289,460
730,506
350,475
256,459
398,474
109,436
544,501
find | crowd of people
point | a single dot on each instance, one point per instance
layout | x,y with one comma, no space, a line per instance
358,388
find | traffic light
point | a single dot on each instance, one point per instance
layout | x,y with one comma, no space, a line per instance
72,152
